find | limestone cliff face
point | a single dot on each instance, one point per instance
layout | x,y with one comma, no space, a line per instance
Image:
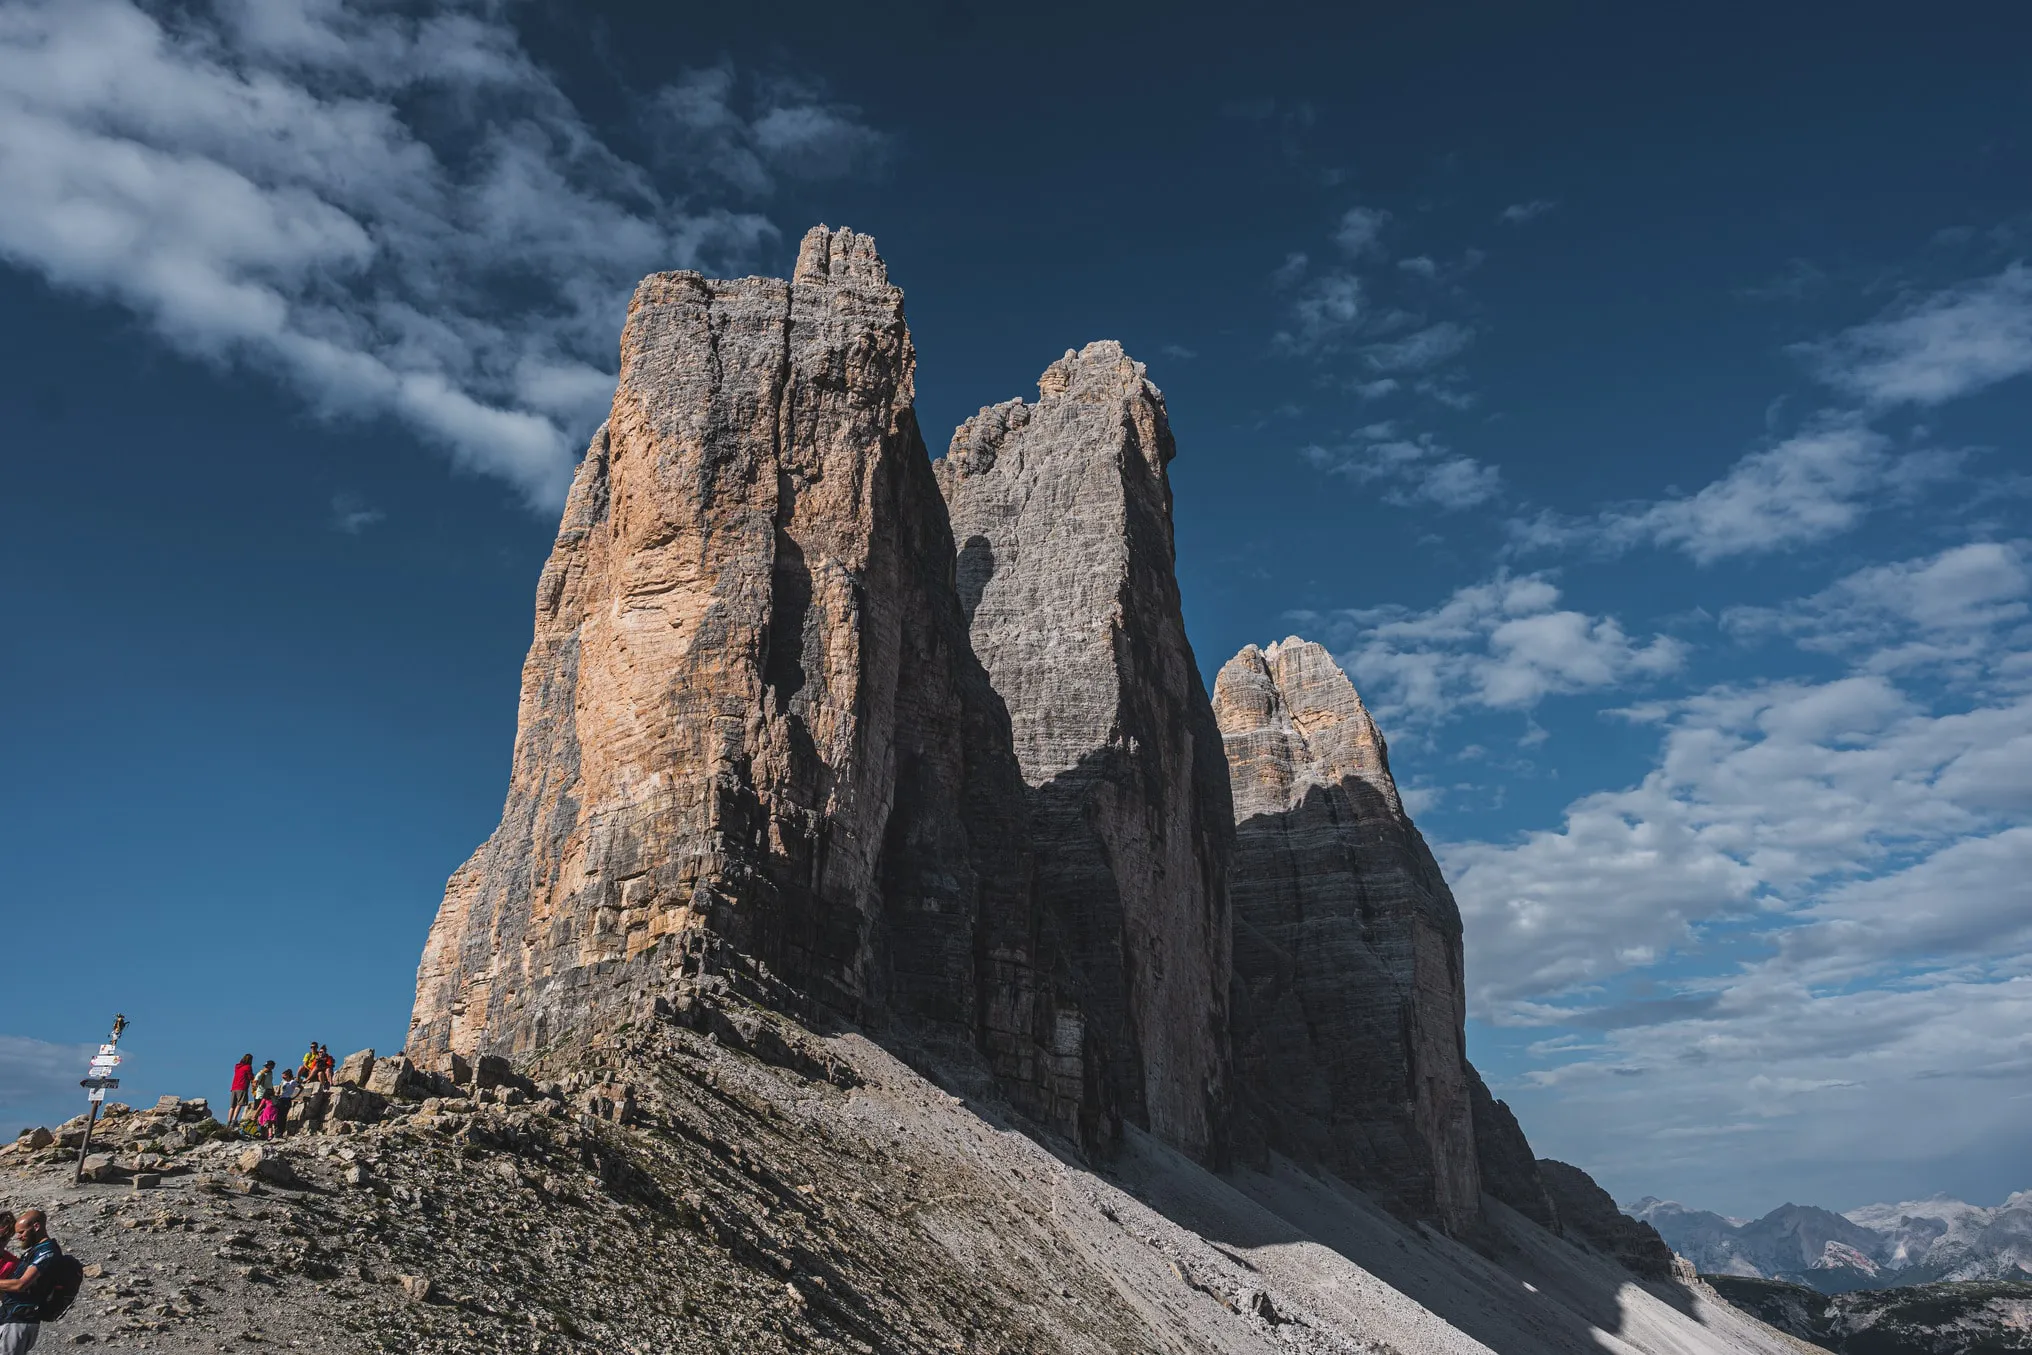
1509,1168
752,732
1588,1213
1062,514
1349,1003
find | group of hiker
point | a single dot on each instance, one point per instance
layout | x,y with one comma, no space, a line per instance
37,1282
262,1105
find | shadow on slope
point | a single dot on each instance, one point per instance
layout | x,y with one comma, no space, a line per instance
1531,1295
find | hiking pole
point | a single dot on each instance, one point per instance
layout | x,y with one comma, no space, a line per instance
96,1083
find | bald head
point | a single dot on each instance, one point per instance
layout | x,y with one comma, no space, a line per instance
30,1227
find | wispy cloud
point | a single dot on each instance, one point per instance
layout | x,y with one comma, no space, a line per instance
398,216
352,514
1360,231
1934,347
1517,213
1412,467
1812,485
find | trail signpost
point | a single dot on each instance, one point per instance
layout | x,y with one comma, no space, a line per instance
97,1078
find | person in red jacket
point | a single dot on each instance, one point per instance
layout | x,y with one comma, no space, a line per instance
243,1077
8,1260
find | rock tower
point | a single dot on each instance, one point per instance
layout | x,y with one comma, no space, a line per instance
751,729
1349,1002
1062,514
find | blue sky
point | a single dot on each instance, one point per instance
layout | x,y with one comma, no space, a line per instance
1635,402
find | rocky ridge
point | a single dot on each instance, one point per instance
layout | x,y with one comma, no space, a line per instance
1958,1318
1061,510
1878,1246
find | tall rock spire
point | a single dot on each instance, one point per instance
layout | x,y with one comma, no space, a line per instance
1349,1004
751,725
1062,513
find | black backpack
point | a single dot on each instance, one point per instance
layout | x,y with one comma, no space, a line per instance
59,1284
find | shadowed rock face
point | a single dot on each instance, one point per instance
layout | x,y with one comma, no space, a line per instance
1509,1170
751,729
1349,1005
1586,1211
1062,513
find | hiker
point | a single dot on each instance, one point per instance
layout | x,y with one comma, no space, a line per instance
27,1284
283,1098
308,1062
8,1259
316,1102
323,1069
259,1113
243,1078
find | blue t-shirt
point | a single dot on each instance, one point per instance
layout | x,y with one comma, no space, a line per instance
27,1305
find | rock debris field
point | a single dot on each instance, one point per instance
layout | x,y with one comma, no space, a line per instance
775,1191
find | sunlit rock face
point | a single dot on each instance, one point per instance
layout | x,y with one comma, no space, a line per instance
752,733
1349,1007
1061,511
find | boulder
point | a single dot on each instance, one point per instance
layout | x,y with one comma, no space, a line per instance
357,1069
398,1079
99,1167
263,1163
36,1138
354,1105
491,1070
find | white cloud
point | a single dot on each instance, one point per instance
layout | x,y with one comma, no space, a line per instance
1503,645
398,216
352,514
1421,350
1360,231
1415,468
1943,611
1517,213
35,1075
1813,485
1818,890
1933,348
1328,307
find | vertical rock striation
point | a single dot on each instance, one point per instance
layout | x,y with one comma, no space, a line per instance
751,728
1349,1003
1062,512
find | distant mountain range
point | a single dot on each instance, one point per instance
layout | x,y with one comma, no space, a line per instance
1876,1247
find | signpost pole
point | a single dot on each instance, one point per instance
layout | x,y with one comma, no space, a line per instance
86,1147
99,1091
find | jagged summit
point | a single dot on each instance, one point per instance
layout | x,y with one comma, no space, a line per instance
923,750
826,255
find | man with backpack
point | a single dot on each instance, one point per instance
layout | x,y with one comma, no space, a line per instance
39,1289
